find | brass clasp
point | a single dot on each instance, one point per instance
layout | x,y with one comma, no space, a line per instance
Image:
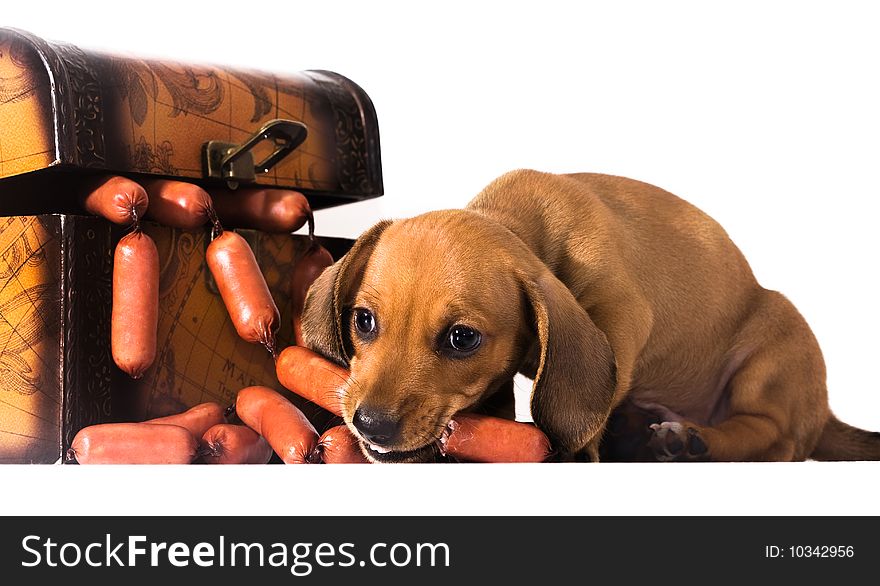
235,163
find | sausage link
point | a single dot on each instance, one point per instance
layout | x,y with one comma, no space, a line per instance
307,269
312,377
339,446
118,199
481,438
178,204
135,311
287,430
197,420
269,210
133,443
226,443
472,437
243,289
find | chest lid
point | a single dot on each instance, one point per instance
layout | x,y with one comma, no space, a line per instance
63,107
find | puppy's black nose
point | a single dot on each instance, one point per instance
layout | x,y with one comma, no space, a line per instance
377,427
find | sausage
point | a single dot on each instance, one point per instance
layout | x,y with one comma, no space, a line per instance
243,289
269,210
312,377
481,438
471,437
197,419
234,444
288,431
179,204
118,199
308,268
133,443
339,446
134,315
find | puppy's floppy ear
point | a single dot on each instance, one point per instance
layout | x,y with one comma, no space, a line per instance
324,326
576,372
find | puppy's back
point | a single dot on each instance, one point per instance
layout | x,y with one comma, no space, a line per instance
660,238
629,238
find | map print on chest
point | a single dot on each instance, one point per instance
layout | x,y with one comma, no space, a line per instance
30,395
200,357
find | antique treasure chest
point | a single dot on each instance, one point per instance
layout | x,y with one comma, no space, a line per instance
68,116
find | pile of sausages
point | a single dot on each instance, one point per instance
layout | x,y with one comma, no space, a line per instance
470,437
268,423
135,312
272,424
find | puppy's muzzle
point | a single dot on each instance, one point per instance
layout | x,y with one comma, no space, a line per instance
377,427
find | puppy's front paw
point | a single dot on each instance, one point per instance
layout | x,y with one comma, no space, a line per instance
673,442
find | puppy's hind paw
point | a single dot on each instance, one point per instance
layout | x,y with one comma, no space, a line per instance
673,442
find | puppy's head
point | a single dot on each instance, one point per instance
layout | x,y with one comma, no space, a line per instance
433,314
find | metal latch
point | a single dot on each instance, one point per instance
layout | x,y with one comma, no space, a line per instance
235,163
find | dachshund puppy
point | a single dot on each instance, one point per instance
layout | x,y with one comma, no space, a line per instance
613,295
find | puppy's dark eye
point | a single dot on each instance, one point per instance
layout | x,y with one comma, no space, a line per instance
463,339
365,322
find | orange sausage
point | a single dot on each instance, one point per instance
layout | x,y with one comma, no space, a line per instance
480,438
339,446
307,269
135,311
234,444
118,199
312,377
197,419
133,443
269,210
243,289
178,204
473,437
287,430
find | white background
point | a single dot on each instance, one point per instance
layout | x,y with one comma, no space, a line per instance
763,114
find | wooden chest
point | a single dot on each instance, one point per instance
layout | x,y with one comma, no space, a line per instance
67,115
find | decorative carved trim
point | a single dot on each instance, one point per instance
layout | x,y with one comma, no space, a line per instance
88,113
370,127
86,295
355,173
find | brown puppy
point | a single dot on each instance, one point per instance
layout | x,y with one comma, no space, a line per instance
608,292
